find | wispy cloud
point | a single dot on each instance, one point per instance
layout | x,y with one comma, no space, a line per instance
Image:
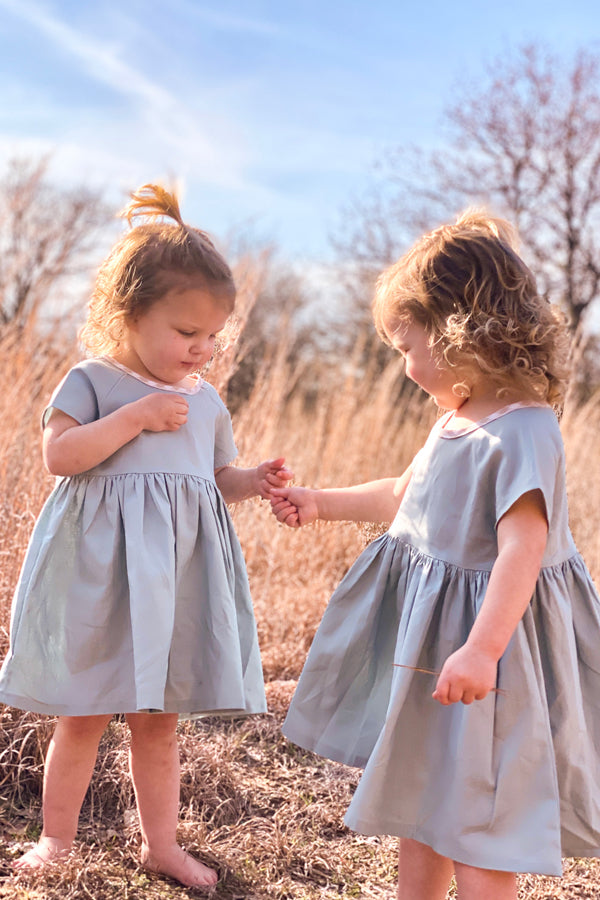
99,60
227,22
269,109
244,135
173,129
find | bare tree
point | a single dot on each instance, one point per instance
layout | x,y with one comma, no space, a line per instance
373,230
530,144
285,323
527,145
46,234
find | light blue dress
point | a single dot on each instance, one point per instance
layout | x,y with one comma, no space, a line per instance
511,782
134,593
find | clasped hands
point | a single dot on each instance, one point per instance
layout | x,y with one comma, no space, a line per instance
294,506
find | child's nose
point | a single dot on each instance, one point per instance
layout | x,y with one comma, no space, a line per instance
201,347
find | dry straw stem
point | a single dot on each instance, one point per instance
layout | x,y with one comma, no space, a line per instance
30,366
581,430
433,672
249,276
268,814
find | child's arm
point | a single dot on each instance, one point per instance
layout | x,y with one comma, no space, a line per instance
238,484
70,448
374,501
470,673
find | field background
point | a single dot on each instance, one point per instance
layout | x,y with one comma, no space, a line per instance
266,813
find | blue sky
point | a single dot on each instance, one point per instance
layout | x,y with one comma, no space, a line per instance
268,114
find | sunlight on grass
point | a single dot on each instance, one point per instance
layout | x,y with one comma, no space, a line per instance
266,813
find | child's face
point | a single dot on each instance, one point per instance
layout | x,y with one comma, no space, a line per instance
175,337
425,365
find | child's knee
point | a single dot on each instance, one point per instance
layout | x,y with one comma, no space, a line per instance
81,728
153,726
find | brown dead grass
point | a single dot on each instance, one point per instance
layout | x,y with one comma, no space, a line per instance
267,814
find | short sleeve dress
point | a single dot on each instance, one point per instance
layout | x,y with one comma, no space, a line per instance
134,593
511,782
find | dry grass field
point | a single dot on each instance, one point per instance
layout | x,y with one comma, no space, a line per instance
266,813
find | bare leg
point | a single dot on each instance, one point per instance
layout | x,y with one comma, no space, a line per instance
473,884
154,761
69,765
422,873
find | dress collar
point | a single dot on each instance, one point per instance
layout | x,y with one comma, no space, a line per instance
175,388
449,433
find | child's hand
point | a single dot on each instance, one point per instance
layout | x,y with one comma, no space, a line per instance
272,474
294,506
162,412
467,675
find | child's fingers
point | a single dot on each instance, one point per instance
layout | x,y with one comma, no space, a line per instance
275,465
449,692
291,520
276,468
287,514
440,696
281,470
284,475
279,478
468,697
280,493
280,502
282,506
481,694
443,690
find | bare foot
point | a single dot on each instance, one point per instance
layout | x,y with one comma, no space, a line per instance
48,850
179,865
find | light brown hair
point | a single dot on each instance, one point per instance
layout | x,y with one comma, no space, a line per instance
468,287
151,259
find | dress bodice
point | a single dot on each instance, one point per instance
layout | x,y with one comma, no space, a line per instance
97,387
464,481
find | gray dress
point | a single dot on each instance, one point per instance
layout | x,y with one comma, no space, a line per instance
511,782
133,593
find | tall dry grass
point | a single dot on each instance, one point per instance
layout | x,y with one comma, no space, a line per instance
267,813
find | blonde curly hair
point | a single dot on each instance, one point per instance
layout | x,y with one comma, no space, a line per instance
468,287
151,259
